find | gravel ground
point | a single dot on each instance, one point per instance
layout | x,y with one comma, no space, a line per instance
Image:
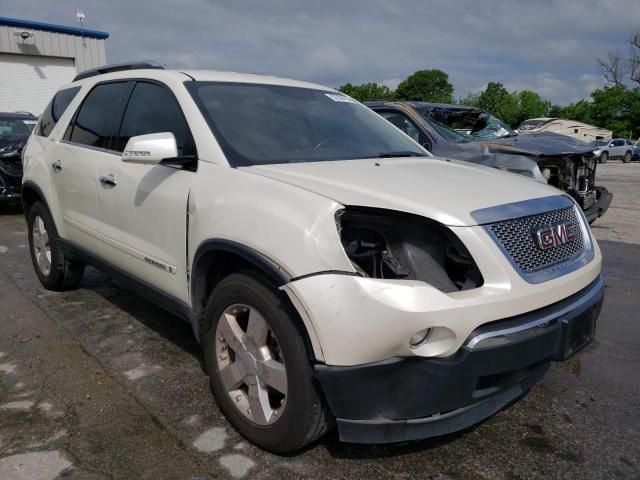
99,383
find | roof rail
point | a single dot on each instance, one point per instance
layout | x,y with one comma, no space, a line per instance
117,67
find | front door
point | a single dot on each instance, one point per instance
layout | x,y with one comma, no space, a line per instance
143,208
76,160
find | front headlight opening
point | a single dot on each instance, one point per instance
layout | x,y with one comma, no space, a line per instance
392,245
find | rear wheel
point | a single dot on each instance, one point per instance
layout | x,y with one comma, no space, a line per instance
259,366
604,156
54,269
627,157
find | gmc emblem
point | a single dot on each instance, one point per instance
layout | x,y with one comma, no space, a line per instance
556,235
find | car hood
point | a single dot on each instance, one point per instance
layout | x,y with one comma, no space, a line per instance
444,190
543,144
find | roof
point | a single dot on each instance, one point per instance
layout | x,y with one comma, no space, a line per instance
17,116
50,27
220,76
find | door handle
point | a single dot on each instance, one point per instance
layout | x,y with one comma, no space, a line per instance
108,180
57,166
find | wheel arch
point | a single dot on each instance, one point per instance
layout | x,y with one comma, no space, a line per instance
216,258
32,193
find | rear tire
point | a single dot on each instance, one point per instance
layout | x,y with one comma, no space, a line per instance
264,387
627,157
604,156
55,271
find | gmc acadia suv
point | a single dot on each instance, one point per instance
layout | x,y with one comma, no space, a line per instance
332,269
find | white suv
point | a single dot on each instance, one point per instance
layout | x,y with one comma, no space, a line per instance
332,269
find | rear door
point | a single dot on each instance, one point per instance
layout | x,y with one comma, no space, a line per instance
76,159
143,211
618,148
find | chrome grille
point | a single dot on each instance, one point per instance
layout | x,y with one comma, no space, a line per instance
517,236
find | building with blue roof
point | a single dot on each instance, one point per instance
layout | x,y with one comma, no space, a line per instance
37,58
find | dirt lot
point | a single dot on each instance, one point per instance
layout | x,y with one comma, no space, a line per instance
98,384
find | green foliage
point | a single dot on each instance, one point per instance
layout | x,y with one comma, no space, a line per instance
367,91
427,86
616,108
496,100
471,100
531,105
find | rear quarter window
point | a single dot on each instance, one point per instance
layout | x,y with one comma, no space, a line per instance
54,111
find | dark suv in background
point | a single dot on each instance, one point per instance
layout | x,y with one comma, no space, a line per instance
15,129
479,137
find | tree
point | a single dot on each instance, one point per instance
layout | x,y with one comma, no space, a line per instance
367,91
496,100
471,100
613,68
531,105
426,85
617,67
616,108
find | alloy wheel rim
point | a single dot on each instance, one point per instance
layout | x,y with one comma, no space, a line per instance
250,364
41,245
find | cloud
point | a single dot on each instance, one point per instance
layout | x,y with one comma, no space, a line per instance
546,44
557,89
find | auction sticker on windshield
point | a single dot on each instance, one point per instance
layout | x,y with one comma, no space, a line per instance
336,97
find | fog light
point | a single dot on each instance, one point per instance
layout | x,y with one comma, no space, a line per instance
419,338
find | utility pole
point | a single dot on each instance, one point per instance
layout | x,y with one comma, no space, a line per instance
80,16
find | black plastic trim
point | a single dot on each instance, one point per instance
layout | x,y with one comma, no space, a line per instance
407,398
157,296
32,185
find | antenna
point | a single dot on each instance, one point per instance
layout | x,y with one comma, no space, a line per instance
80,16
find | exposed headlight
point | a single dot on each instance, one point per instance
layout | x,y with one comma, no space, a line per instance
388,244
597,152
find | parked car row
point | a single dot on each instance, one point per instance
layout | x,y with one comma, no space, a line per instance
561,161
334,271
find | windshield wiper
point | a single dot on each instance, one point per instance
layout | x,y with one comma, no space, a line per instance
400,153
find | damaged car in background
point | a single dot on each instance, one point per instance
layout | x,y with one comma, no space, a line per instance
15,129
470,134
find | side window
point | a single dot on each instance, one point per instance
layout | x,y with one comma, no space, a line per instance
153,109
618,143
54,110
403,123
95,120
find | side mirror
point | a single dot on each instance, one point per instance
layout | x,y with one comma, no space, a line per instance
611,145
150,149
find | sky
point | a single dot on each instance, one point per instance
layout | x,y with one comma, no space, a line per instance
546,46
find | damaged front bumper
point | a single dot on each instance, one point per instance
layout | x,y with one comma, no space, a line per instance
402,399
601,205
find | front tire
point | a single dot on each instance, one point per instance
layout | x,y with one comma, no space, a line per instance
627,157
55,271
259,366
604,156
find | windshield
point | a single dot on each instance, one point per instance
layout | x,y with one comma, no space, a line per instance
449,134
265,124
15,129
474,124
487,126
531,124
599,143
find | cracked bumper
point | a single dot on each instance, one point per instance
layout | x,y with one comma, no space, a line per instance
402,399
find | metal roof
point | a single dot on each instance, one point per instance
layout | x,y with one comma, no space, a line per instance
50,27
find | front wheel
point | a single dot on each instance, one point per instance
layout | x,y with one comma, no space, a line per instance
55,271
627,157
604,157
259,366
